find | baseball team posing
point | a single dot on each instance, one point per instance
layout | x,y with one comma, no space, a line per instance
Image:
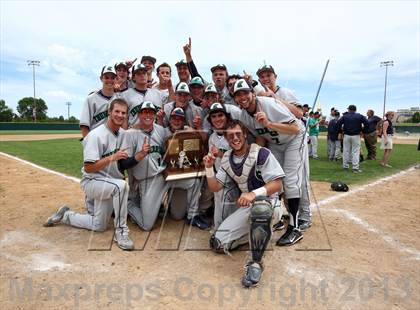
257,155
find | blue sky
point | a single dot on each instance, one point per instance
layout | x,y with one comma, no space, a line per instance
74,39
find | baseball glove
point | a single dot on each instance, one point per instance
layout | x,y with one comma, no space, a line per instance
339,187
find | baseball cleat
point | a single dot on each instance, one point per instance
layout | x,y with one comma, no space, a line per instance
304,225
279,225
124,242
199,222
253,273
56,217
291,236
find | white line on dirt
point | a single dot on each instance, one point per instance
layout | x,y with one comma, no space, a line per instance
41,168
347,214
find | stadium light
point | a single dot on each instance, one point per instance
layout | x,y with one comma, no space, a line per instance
33,63
386,64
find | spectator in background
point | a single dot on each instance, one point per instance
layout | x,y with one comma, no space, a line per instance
353,124
370,135
313,124
333,140
330,117
386,140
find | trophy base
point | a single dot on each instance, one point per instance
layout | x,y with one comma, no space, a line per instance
186,175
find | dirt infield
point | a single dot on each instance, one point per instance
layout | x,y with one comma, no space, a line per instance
362,252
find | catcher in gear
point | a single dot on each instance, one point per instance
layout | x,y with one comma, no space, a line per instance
258,177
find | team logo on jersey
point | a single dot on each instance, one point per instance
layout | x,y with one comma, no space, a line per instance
110,153
100,116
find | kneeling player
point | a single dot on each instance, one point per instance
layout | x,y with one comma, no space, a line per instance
103,182
258,176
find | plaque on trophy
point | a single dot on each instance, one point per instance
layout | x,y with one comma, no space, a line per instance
184,156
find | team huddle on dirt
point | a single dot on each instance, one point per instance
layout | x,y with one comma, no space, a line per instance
256,160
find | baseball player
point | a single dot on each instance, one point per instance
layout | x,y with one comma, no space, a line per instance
218,118
95,107
284,135
211,96
219,74
102,181
230,82
256,173
196,86
135,96
183,72
121,81
267,76
179,204
165,86
148,187
149,63
182,100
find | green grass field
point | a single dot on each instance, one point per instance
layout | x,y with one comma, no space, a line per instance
36,132
65,155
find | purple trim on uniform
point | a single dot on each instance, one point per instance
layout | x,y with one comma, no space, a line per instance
253,181
263,154
237,168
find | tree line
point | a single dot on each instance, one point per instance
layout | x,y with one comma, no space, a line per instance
25,112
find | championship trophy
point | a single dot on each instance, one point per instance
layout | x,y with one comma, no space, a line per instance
184,156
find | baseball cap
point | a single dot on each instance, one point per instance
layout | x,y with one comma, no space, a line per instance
241,85
178,112
182,87
196,81
121,63
108,69
147,105
150,58
182,62
138,67
218,66
217,107
265,68
352,107
211,88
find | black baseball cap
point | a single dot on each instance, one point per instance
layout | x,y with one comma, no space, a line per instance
265,68
218,66
150,58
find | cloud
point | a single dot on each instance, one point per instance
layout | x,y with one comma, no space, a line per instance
73,40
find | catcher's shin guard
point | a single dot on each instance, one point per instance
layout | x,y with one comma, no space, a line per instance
260,234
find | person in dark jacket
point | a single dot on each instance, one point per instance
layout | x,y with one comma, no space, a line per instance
370,135
353,125
333,131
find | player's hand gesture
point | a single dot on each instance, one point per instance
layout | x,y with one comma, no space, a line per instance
214,150
245,199
209,160
160,115
146,146
120,154
261,118
247,76
187,48
130,63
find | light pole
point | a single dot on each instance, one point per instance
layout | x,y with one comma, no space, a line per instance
68,104
33,63
386,64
